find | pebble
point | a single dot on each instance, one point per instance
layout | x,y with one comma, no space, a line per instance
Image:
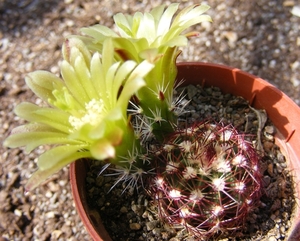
138,209
279,167
266,181
191,91
151,225
281,159
282,229
272,238
269,130
56,234
18,212
123,210
14,91
296,11
156,231
135,226
270,169
231,37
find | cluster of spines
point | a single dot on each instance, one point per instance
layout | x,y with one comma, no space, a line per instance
207,179
161,121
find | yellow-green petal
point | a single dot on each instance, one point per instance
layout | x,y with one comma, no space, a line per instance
59,154
31,137
42,174
49,116
42,83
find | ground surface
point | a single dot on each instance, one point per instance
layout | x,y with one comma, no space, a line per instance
261,37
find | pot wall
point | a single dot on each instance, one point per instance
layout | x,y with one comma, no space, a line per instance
283,112
90,218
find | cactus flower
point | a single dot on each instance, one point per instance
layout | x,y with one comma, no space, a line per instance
156,37
86,116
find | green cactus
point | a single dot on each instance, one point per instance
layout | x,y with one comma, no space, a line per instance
207,180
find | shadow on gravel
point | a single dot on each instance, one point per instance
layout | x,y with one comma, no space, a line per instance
14,14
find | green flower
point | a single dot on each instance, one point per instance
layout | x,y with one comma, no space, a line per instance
155,37
87,112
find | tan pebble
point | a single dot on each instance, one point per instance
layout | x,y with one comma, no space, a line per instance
231,36
50,214
271,169
268,145
56,234
135,226
272,238
288,3
123,210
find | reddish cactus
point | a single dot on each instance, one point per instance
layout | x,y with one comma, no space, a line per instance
207,180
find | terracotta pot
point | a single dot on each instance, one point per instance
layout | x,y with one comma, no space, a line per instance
282,111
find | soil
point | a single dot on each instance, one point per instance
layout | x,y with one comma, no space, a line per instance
260,37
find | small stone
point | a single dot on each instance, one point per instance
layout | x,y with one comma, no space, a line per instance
270,130
123,210
145,214
288,3
271,169
296,11
298,41
279,168
13,178
276,205
50,214
56,234
295,81
282,229
283,165
53,187
67,230
49,194
164,235
151,225
18,212
138,209
191,91
280,158
156,231
135,226
231,36
272,238
266,181
295,65
14,91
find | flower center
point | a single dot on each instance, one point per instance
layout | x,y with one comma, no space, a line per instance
94,112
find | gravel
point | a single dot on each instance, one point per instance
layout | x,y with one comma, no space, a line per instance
260,37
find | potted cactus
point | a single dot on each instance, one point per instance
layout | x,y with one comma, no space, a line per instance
259,93
115,104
